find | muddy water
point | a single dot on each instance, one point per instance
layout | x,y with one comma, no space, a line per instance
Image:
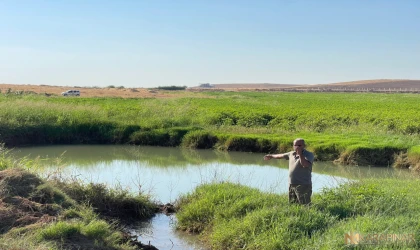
167,173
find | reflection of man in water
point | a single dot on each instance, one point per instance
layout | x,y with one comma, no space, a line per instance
300,171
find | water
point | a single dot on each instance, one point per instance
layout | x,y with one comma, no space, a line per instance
168,173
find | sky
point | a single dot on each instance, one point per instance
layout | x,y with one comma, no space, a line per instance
153,43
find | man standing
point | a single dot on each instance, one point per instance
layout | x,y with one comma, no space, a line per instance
300,172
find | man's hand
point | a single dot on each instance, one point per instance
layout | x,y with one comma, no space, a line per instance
305,163
268,157
275,156
299,151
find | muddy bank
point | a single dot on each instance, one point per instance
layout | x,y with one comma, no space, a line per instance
47,215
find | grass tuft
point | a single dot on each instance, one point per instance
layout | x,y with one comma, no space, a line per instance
230,216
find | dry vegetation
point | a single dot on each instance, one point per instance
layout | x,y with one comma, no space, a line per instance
393,84
89,91
409,85
50,214
378,84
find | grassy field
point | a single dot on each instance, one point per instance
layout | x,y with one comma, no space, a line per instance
352,128
383,213
363,128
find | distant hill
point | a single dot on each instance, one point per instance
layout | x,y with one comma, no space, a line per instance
376,84
245,86
363,84
254,85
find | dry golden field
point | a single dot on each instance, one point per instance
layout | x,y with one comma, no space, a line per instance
91,92
156,93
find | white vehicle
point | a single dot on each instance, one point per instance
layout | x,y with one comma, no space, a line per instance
71,93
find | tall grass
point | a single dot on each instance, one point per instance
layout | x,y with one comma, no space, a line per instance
414,157
37,213
230,216
112,202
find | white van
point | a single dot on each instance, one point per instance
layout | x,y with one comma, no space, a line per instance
71,93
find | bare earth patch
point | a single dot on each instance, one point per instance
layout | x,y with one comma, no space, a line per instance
90,92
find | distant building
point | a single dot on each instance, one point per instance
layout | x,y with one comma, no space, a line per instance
206,85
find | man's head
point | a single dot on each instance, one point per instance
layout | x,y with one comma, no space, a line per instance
299,143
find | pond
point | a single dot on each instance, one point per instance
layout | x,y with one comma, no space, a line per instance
167,173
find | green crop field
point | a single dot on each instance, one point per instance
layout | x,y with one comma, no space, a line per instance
353,128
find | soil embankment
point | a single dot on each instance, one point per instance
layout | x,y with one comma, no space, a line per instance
49,216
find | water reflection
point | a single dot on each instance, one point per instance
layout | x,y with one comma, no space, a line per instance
167,173
160,232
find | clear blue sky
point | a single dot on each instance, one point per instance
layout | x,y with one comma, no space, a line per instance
151,43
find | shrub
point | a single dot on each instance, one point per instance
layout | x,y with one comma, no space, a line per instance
110,202
172,87
60,230
199,139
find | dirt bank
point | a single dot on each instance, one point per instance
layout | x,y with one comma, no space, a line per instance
29,205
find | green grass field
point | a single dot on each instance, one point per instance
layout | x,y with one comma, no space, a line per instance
352,128
229,216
